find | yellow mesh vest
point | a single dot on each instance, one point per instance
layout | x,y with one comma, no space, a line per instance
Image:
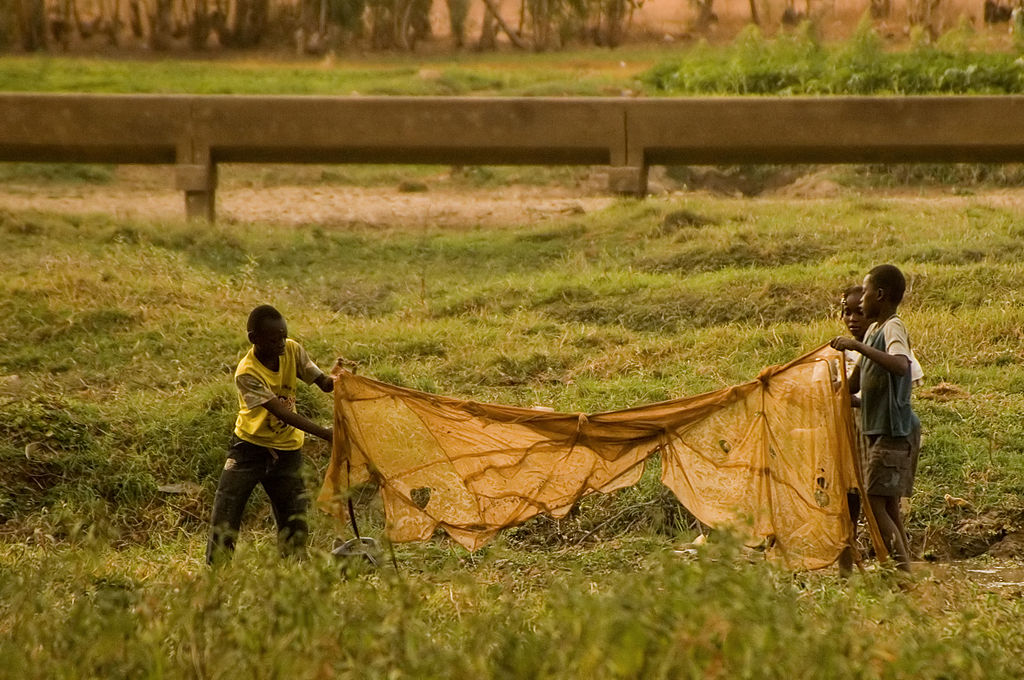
257,425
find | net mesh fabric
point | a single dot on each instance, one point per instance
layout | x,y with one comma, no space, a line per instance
771,458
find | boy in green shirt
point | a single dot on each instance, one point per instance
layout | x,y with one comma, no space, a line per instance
268,436
893,431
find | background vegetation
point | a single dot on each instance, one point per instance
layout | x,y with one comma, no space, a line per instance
796,62
311,26
318,27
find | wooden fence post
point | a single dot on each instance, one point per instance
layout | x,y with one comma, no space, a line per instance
628,172
629,180
199,182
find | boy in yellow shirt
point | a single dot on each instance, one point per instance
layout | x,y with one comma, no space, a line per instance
268,436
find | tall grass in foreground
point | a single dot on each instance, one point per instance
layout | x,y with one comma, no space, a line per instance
504,615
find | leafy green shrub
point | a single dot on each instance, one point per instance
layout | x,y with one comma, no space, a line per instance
796,64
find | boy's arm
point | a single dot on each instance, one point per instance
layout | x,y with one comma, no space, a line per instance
310,373
325,383
897,364
280,410
854,380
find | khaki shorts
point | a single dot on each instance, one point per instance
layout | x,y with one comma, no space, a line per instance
890,464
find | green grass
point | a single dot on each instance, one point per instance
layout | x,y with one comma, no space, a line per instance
588,72
56,172
104,322
117,339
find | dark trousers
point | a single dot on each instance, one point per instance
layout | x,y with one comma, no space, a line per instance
280,473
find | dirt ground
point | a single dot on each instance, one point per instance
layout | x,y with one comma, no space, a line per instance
148,193
338,206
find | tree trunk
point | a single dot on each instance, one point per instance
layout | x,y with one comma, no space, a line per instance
112,23
160,26
540,13
615,16
402,28
32,24
383,23
458,10
493,11
135,18
880,9
199,27
60,23
259,18
488,30
705,14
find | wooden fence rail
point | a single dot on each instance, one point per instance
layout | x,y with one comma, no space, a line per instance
196,132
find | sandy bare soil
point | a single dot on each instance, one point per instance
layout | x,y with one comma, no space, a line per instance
326,206
150,195
139,192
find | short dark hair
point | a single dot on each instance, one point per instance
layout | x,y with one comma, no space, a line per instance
890,279
260,314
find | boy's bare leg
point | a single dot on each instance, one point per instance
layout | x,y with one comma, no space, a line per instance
846,557
891,529
846,562
895,511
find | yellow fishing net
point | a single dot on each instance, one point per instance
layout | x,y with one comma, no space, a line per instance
771,458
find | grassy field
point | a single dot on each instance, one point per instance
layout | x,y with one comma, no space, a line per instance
118,338
116,343
584,73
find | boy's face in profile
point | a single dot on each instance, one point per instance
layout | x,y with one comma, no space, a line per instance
853,315
869,301
269,337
